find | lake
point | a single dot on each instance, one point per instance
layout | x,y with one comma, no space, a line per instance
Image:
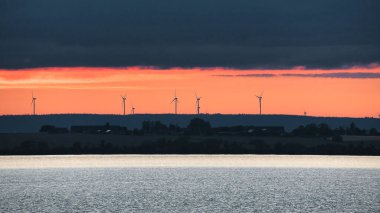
191,183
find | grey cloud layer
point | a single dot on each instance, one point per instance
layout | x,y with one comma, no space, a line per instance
361,75
197,33
337,75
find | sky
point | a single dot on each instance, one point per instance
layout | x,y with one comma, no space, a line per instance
321,56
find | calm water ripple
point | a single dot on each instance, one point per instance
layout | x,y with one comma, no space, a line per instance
190,190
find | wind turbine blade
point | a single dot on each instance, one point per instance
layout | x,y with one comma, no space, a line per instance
262,93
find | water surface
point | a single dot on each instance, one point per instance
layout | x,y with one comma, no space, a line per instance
140,186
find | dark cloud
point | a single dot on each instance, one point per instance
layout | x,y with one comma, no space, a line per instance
337,75
224,75
197,33
311,75
259,75
265,75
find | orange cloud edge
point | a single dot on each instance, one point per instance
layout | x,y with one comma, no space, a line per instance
101,72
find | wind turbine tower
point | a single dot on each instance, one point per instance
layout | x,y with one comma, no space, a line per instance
133,110
34,104
259,97
124,99
198,99
175,100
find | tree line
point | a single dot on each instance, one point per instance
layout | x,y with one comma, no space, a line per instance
199,137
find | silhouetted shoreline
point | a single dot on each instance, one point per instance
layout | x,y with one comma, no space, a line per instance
198,137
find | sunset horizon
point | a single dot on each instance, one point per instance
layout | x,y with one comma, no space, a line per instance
318,58
70,90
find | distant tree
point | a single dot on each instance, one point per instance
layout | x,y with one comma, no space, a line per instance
174,128
199,126
313,130
159,127
325,130
308,130
354,130
146,126
339,131
154,127
299,130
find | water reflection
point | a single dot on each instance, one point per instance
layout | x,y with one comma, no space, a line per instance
139,161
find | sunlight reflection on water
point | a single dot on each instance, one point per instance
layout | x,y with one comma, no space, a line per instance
109,161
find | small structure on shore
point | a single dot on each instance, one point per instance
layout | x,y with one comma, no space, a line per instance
99,129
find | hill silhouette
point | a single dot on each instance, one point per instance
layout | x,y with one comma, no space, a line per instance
30,124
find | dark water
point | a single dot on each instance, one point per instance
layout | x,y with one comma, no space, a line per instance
190,190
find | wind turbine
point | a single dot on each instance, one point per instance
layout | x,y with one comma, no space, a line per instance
133,110
198,99
175,100
34,103
124,97
259,98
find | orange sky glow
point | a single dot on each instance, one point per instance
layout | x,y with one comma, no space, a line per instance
226,91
